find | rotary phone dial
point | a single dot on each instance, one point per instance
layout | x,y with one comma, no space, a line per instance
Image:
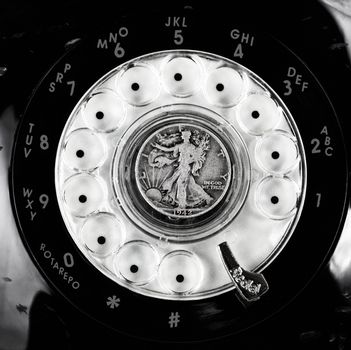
181,176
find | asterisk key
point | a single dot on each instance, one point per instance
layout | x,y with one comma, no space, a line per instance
113,302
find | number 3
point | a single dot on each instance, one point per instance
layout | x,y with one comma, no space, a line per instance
287,87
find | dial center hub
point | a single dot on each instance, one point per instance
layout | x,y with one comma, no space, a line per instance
173,174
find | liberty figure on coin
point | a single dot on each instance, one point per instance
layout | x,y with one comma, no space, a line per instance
181,186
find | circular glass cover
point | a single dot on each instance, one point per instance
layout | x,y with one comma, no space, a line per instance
169,156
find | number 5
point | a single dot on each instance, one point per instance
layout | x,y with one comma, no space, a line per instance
178,37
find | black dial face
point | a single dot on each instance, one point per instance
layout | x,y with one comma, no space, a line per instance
179,179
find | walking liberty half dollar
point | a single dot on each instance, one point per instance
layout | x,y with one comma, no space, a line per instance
183,170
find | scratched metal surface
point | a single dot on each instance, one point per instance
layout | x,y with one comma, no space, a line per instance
340,263
19,280
341,11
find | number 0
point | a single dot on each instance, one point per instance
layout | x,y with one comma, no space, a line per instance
68,260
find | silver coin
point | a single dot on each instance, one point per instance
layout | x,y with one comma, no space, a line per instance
183,170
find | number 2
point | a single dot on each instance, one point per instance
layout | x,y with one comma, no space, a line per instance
315,143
